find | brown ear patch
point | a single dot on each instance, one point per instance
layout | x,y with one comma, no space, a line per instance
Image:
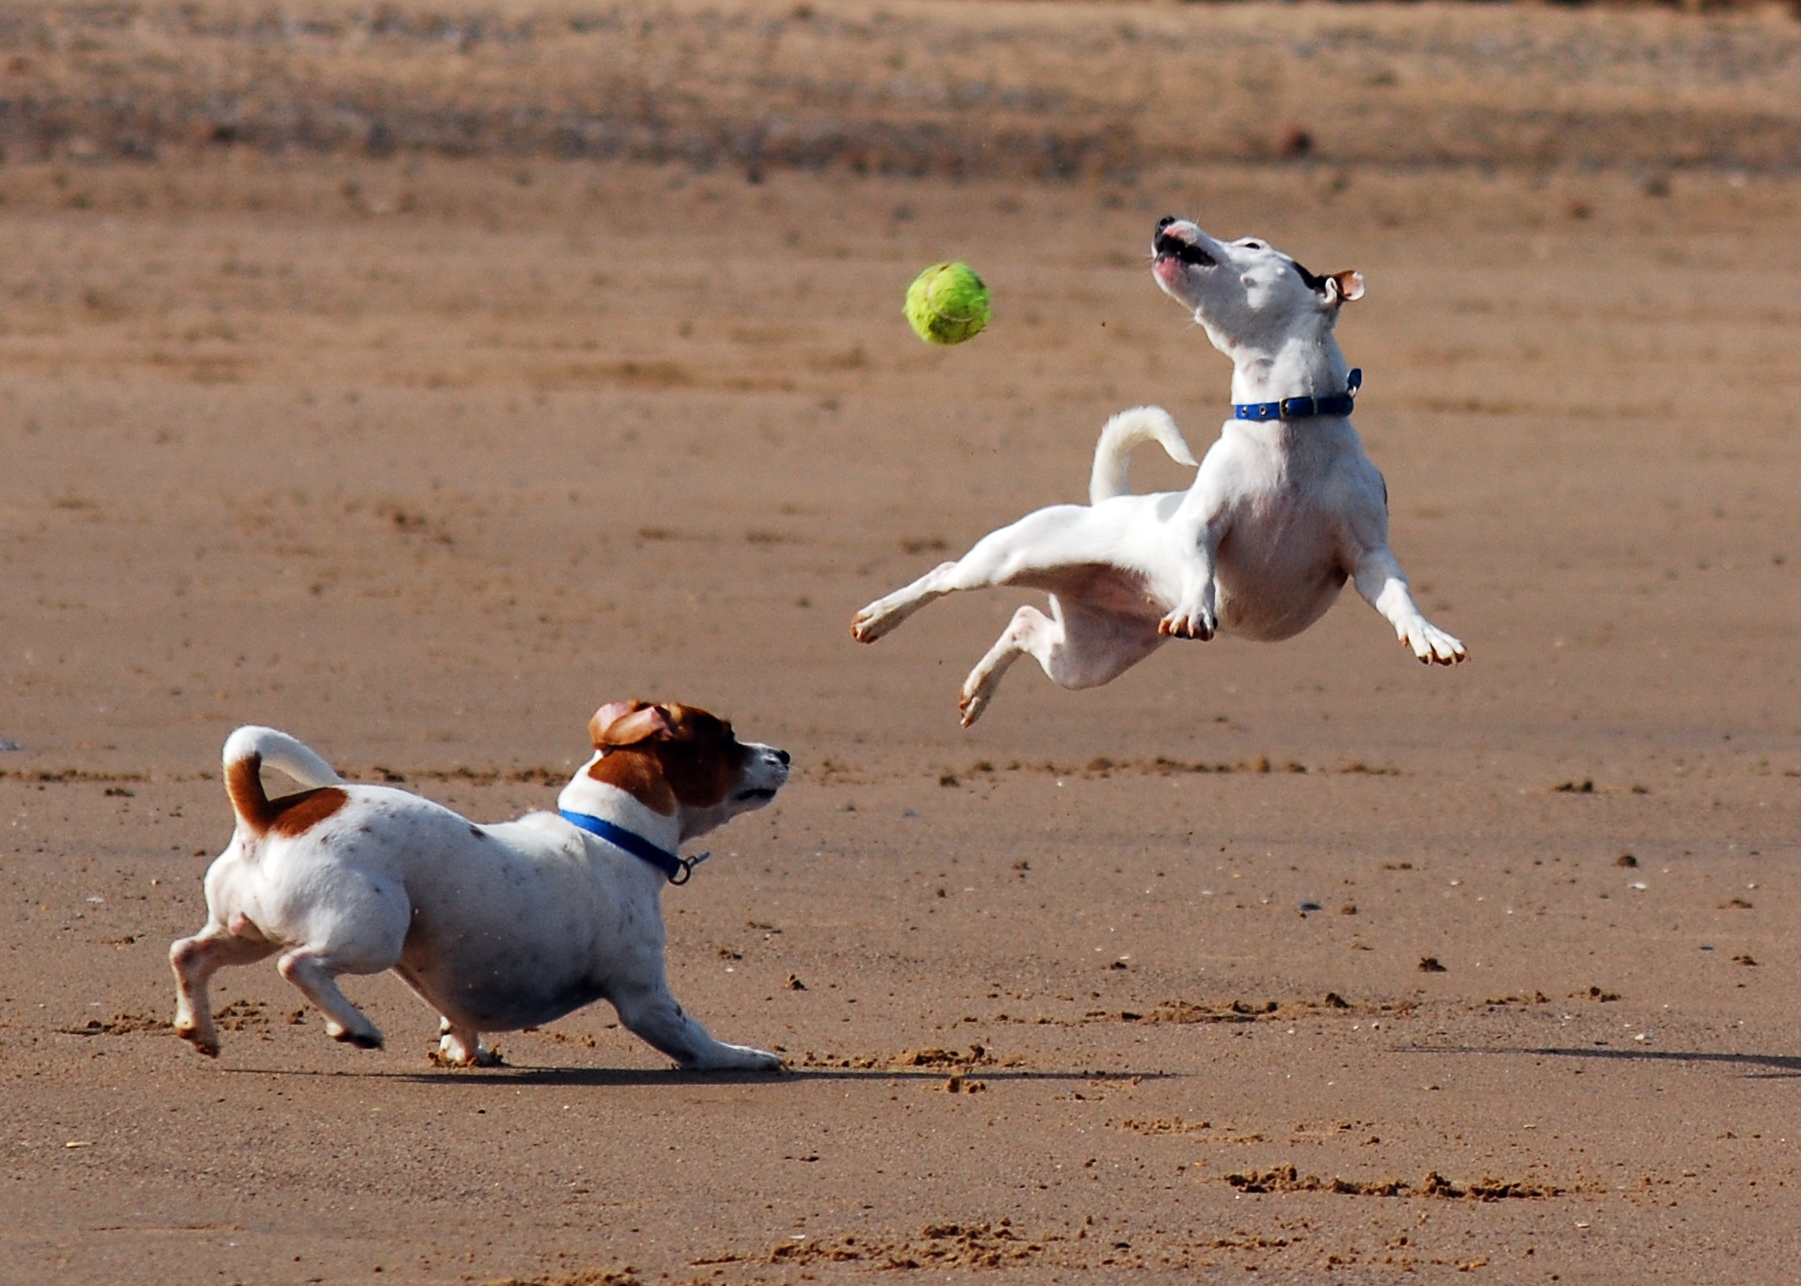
693,760
288,816
626,723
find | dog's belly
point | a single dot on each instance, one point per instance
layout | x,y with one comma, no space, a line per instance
1277,592
500,962
515,931
1101,585
495,986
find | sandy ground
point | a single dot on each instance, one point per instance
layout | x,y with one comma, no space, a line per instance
421,459
1102,90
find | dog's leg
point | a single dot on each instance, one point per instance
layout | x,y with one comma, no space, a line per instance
315,973
1077,646
1379,579
1196,538
652,1014
1022,635
195,960
1039,540
886,613
460,1046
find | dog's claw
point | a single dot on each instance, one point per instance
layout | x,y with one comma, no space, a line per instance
1432,646
1185,626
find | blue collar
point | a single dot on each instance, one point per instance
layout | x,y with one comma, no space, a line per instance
1299,408
675,869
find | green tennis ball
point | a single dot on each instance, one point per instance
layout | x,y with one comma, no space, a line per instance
947,304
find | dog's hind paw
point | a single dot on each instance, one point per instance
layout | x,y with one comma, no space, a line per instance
206,1043
872,623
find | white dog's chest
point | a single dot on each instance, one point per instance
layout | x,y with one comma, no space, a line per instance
1279,560
1275,577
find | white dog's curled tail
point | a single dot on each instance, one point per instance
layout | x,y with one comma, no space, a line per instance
1113,453
247,750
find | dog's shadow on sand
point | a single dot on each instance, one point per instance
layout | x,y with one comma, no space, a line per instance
1782,1066
625,1077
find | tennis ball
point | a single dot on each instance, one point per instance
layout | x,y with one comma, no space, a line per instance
947,304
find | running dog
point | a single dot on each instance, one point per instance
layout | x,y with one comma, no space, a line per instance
1285,508
495,927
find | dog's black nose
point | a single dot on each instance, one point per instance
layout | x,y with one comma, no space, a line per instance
1165,221
783,756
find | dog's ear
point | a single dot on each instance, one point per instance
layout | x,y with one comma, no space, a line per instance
1343,287
626,723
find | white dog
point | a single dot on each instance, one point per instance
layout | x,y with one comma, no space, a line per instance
495,927
1285,508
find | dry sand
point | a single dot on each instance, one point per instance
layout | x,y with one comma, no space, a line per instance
421,458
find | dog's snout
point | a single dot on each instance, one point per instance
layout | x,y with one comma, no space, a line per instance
1169,246
782,756
1165,221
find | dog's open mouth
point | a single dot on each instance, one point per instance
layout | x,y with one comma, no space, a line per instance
1168,247
763,793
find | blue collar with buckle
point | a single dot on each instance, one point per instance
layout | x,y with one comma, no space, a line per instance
676,869
1299,408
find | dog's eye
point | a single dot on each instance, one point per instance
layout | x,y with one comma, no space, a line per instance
1251,245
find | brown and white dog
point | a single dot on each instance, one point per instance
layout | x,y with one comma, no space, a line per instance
495,927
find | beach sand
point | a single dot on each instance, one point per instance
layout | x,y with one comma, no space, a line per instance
422,457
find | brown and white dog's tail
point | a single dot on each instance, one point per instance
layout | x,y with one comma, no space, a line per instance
1113,453
246,751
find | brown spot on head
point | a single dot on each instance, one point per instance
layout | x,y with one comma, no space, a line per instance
665,754
288,816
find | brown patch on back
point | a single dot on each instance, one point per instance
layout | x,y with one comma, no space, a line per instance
696,763
298,814
288,816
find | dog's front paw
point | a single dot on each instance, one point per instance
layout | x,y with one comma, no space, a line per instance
739,1058
1194,623
1433,646
460,1048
